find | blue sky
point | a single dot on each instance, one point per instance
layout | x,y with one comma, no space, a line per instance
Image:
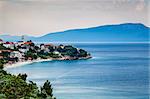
39,17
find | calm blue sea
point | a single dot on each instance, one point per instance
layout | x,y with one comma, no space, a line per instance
116,71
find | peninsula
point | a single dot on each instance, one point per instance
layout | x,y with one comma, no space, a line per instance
22,52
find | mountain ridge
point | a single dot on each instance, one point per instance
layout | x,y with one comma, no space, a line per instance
127,32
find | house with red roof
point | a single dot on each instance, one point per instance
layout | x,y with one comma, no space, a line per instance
10,45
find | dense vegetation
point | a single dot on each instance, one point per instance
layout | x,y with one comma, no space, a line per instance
16,87
33,51
2,47
61,50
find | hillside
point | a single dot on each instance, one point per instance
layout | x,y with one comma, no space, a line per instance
129,32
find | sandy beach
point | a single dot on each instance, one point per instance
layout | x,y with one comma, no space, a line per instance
21,63
17,64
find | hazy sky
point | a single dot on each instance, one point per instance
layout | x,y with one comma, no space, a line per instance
39,17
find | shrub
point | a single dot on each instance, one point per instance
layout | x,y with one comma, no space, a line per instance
15,87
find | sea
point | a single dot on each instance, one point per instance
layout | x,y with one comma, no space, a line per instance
115,71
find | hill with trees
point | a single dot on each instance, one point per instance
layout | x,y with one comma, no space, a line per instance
16,87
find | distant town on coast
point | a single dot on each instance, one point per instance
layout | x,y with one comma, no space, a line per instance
12,52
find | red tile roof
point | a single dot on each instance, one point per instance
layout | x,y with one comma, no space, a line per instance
8,43
28,43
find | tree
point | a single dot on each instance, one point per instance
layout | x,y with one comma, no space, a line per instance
70,51
2,47
6,54
47,89
22,76
36,48
15,87
1,65
31,54
82,53
51,48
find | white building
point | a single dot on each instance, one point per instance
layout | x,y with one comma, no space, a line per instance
23,50
57,53
16,54
42,47
10,45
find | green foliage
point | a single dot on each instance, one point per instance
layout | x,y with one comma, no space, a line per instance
2,61
31,54
43,56
1,65
22,76
2,96
32,44
5,54
2,47
51,48
46,91
53,55
82,53
15,87
47,87
36,48
15,49
59,49
64,51
70,51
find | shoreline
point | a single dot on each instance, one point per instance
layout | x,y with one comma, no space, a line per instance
21,63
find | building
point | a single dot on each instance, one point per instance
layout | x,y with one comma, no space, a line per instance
61,46
57,53
28,43
42,47
15,54
10,45
23,50
20,43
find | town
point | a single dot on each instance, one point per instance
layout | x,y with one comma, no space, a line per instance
12,52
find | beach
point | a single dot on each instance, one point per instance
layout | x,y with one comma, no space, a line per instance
20,63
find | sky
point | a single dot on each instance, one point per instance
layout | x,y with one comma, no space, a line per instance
39,17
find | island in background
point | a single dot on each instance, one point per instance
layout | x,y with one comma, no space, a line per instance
126,32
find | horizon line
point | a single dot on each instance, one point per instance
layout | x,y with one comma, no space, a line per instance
75,29
99,42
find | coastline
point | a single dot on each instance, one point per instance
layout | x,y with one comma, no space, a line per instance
21,63
17,64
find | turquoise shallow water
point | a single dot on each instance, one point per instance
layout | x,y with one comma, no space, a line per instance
116,71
